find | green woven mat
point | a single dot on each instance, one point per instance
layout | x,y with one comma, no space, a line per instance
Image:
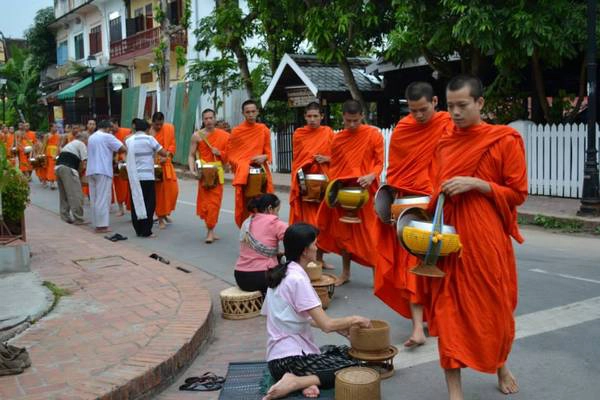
251,380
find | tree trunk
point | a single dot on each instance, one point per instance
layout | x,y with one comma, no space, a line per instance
352,85
242,61
581,92
165,73
539,85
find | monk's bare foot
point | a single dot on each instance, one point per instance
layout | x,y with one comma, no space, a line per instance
287,384
507,383
102,230
342,280
168,220
410,343
311,392
161,223
416,339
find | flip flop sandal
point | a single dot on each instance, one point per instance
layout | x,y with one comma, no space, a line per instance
112,238
159,258
118,236
201,387
205,377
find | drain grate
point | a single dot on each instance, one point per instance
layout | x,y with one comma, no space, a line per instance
103,262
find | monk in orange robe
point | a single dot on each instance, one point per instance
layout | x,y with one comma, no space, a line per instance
167,189
481,169
249,144
210,146
53,140
356,154
411,149
10,142
121,186
311,146
27,140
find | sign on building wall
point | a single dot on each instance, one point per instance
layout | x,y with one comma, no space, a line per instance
299,96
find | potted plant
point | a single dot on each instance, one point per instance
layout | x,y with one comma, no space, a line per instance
14,197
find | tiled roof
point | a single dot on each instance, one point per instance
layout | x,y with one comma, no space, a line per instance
330,78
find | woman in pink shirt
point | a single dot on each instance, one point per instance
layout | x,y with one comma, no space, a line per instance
259,243
292,307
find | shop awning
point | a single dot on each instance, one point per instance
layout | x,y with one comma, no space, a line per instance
71,91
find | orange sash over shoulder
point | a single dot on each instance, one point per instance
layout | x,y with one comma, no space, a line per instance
306,143
208,201
472,306
410,153
167,190
353,154
246,141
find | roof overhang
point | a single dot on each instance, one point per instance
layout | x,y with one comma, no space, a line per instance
287,61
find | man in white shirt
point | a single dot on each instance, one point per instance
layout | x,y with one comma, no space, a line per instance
71,160
101,146
140,171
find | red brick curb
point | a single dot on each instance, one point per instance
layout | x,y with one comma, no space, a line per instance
129,327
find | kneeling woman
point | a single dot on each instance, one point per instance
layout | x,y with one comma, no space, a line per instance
292,307
260,235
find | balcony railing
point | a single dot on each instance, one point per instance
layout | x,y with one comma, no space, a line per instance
143,43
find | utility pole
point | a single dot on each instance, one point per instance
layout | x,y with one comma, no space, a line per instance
590,199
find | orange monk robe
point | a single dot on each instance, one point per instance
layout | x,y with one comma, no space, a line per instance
9,143
353,154
410,152
306,143
167,190
472,306
121,185
247,141
28,139
208,201
52,150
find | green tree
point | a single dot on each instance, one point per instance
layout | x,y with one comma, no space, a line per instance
217,77
514,33
226,29
23,78
40,39
339,29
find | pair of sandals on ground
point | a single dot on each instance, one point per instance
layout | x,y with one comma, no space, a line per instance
207,382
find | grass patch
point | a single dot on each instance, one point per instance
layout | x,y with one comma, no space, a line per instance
57,292
564,225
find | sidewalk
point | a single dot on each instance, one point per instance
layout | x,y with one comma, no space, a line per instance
562,209
128,327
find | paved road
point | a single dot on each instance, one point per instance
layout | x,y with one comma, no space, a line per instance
558,319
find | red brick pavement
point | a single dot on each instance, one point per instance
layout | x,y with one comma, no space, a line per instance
232,341
126,330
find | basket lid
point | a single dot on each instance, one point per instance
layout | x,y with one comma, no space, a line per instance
238,293
358,376
383,200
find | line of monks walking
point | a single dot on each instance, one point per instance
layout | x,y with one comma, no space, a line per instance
479,167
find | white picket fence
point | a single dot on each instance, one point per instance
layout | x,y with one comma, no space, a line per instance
555,156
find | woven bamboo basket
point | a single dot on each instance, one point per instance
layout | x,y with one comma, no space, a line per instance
237,304
357,383
374,339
